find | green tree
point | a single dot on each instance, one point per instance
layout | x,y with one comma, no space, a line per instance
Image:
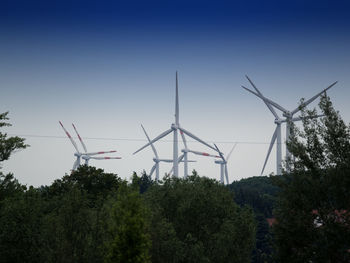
197,220
128,228
313,209
9,186
260,194
68,228
94,181
21,237
8,144
79,209
141,183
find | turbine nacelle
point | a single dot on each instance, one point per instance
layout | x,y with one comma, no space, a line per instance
287,114
279,121
156,160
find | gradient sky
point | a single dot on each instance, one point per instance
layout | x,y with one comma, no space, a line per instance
109,66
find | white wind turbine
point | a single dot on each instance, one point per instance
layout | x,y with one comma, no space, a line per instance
223,164
288,119
186,150
184,156
85,156
156,158
174,128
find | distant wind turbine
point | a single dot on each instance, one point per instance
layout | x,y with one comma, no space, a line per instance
185,152
156,158
288,119
223,164
174,128
85,156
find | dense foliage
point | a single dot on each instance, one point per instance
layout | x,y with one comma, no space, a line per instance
313,209
196,220
93,216
260,194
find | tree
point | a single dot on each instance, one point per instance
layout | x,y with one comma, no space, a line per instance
142,183
9,186
313,208
79,204
196,220
97,184
21,237
8,144
128,228
260,194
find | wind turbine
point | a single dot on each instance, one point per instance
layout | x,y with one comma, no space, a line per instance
156,158
288,119
223,164
174,128
85,156
185,152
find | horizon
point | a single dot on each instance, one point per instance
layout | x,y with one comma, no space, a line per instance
109,66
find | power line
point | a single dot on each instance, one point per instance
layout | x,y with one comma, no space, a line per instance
126,139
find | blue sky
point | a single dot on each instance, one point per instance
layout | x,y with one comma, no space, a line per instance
108,66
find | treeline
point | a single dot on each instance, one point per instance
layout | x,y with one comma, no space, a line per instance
92,216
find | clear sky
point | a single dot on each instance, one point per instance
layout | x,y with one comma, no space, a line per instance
108,66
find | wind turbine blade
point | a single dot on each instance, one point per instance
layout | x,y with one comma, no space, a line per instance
204,154
152,170
80,139
183,139
181,157
155,139
274,136
166,160
177,102
70,137
153,148
228,156
226,173
276,105
95,153
221,155
104,158
75,165
179,160
267,104
196,138
305,103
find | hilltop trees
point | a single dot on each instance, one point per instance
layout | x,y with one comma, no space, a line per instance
259,193
196,220
128,229
313,209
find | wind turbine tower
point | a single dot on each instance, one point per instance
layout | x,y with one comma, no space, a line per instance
223,165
